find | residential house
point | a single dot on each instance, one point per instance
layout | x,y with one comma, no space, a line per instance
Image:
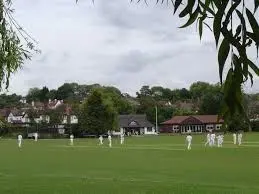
135,124
18,117
69,116
73,119
55,103
193,123
42,118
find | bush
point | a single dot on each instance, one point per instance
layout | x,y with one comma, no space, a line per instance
255,126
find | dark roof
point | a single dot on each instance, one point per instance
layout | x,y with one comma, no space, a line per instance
202,118
134,121
5,112
17,112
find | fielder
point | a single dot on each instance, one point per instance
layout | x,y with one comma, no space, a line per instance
235,138
71,139
220,140
239,138
101,140
19,141
208,139
212,139
36,137
122,138
110,140
189,141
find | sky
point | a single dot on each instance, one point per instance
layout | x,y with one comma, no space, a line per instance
113,42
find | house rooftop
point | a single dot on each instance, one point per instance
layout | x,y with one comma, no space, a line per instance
134,121
202,118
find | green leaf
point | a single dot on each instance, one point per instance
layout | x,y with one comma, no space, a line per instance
238,31
253,37
200,27
238,70
256,2
192,18
231,10
206,7
253,23
222,56
218,18
240,15
177,4
251,78
229,92
245,68
217,4
253,67
188,9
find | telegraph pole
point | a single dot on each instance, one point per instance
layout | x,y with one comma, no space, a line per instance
156,120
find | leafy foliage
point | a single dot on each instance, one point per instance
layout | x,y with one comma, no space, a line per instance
56,115
98,114
7,101
12,36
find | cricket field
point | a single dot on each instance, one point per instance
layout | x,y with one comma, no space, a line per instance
143,165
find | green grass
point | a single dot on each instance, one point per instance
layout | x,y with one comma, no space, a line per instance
158,164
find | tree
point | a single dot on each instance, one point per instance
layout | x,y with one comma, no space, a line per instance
9,101
211,103
66,90
144,91
198,89
13,53
121,104
43,95
237,123
98,114
56,115
52,94
33,94
184,94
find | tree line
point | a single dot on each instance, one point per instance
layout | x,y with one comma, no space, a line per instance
97,107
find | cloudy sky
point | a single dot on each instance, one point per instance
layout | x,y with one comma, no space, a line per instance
112,42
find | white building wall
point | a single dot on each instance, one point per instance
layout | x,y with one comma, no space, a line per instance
151,131
209,127
218,126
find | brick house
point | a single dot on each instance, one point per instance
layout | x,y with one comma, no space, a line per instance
192,123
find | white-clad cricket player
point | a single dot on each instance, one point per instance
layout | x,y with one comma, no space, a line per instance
212,139
122,138
110,140
208,139
19,141
36,137
101,140
71,139
189,141
219,140
239,138
235,138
